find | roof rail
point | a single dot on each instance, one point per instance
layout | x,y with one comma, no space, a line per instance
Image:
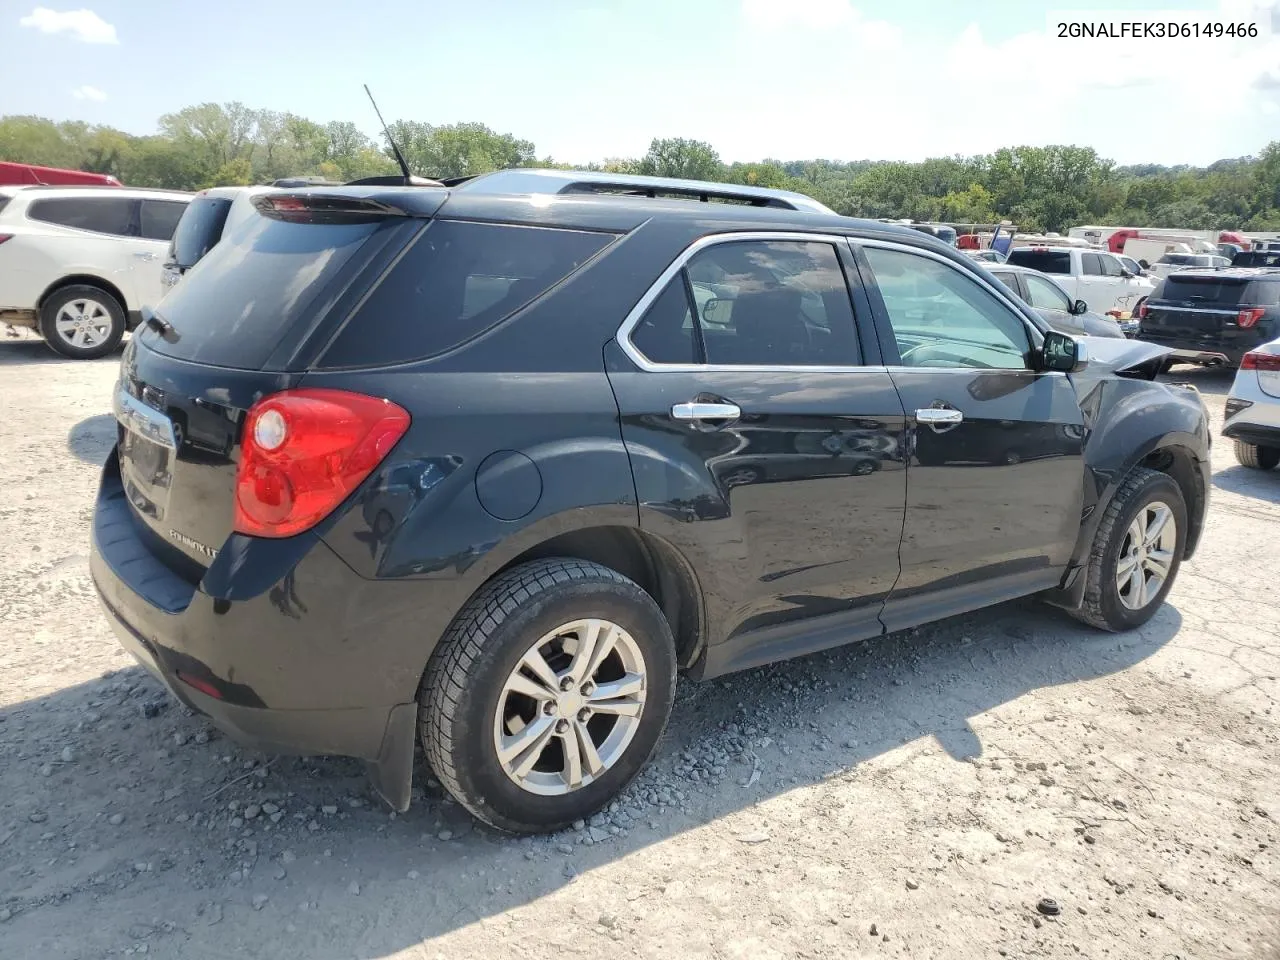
522,181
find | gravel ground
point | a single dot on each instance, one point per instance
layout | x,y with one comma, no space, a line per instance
917,796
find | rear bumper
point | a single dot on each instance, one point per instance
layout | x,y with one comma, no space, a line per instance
1258,434
1209,358
277,662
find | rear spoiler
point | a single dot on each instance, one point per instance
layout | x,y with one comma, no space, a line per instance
324,208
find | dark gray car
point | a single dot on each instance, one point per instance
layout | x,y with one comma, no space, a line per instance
1053,304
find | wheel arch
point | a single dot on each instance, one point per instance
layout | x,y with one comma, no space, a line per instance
86,280
653,563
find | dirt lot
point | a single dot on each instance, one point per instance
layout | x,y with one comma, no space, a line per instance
913,797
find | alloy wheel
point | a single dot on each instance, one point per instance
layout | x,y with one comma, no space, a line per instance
1146,556
570,708
83,323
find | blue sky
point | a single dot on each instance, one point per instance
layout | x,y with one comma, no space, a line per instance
583,80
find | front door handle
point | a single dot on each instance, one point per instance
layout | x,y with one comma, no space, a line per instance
706,411
939,416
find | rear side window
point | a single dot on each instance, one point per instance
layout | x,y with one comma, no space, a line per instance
1046,261
1008,280
265,277
756,303
160,217
456,281
112,215
199,229
1091,265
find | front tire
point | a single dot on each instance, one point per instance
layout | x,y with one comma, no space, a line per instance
1255,457
82,322
548,693
1136,552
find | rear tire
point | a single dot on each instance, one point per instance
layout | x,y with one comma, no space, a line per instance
505,743
82,322
1255,457
1135,508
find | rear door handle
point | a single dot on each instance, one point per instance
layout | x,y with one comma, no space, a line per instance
145,256
939,416
706,411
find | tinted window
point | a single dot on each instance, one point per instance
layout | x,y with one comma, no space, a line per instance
4,202
1045,295
773,303
237,306
199,230
160,217
942,317
1222,291
665,334
1046,261
1091,265
113,215
1110,265
458,280
1009,280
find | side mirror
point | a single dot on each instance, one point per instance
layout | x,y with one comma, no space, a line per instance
1079,308
1144,264
1063,353
1126,274
715,311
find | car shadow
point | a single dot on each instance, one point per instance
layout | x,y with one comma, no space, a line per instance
91,439
1258,484
152,807
30,349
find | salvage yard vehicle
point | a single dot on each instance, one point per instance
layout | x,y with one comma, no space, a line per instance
483,475
1213,317
1252,416
78,264
1052,303
1094,276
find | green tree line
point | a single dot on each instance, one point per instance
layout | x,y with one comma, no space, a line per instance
1038,188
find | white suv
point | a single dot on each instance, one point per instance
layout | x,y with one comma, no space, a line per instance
78,264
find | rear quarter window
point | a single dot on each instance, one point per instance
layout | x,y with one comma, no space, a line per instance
456,281
1046,261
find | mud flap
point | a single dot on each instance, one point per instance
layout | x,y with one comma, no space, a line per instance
392,773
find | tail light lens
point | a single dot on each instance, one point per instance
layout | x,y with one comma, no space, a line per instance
304,451
1249,316
1142,310
5,236
1260,361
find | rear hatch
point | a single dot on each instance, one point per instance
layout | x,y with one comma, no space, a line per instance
1224,311
244,324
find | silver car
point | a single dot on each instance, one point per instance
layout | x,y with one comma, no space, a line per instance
1053,304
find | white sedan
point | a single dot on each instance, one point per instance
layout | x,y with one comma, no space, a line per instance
1253,408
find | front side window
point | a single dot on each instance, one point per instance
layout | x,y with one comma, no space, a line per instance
754,303
1110,265
942,317
111,215
1045,295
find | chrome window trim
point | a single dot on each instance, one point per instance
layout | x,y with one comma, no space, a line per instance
1219,310
623,336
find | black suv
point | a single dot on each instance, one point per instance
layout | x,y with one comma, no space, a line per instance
1213,317
489,465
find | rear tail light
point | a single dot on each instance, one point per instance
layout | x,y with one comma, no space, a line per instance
5,236
1249,316
304,451
1142,310
1260,361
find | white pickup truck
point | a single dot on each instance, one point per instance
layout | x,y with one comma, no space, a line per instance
1094,276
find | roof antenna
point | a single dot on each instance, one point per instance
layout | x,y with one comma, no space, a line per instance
404,167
